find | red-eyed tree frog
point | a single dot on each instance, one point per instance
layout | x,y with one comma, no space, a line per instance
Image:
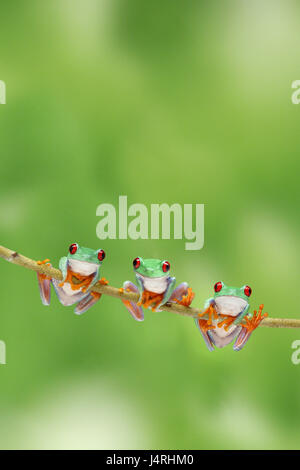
80,270
155,287
228,317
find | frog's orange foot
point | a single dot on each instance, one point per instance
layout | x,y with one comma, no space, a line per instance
227,322
121,290
41,263
212,314
96,295
210,327
155,305
103,281
150,300
186,300
252,323
205,326
45,261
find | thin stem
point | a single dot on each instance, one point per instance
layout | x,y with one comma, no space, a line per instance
17,258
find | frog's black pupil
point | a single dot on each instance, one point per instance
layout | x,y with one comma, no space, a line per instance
166,266
136,263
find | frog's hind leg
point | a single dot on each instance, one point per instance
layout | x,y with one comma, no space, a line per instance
135,310
204,328
242,339
247,328
87,302
182,295
45,288
44,284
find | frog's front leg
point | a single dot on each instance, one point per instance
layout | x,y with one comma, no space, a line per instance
64,289
251,323
171,281
210,310
44,282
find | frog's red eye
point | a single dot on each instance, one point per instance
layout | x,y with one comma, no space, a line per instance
166,266
247,291
136,263
218,286
101,255
73,248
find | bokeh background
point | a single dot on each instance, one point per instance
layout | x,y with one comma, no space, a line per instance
162,101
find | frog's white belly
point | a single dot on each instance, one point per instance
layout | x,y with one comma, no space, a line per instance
68,289
230,305
158,285
66,295
82,267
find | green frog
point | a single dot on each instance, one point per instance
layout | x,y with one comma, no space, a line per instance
229,317
155,287
81,271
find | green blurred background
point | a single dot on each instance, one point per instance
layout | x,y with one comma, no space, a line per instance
162,101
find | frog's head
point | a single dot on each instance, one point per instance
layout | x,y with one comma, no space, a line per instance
84,260
151,267
231,300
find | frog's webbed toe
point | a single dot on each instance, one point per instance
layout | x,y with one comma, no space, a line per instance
135,310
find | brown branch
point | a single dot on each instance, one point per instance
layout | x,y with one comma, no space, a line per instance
17,258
